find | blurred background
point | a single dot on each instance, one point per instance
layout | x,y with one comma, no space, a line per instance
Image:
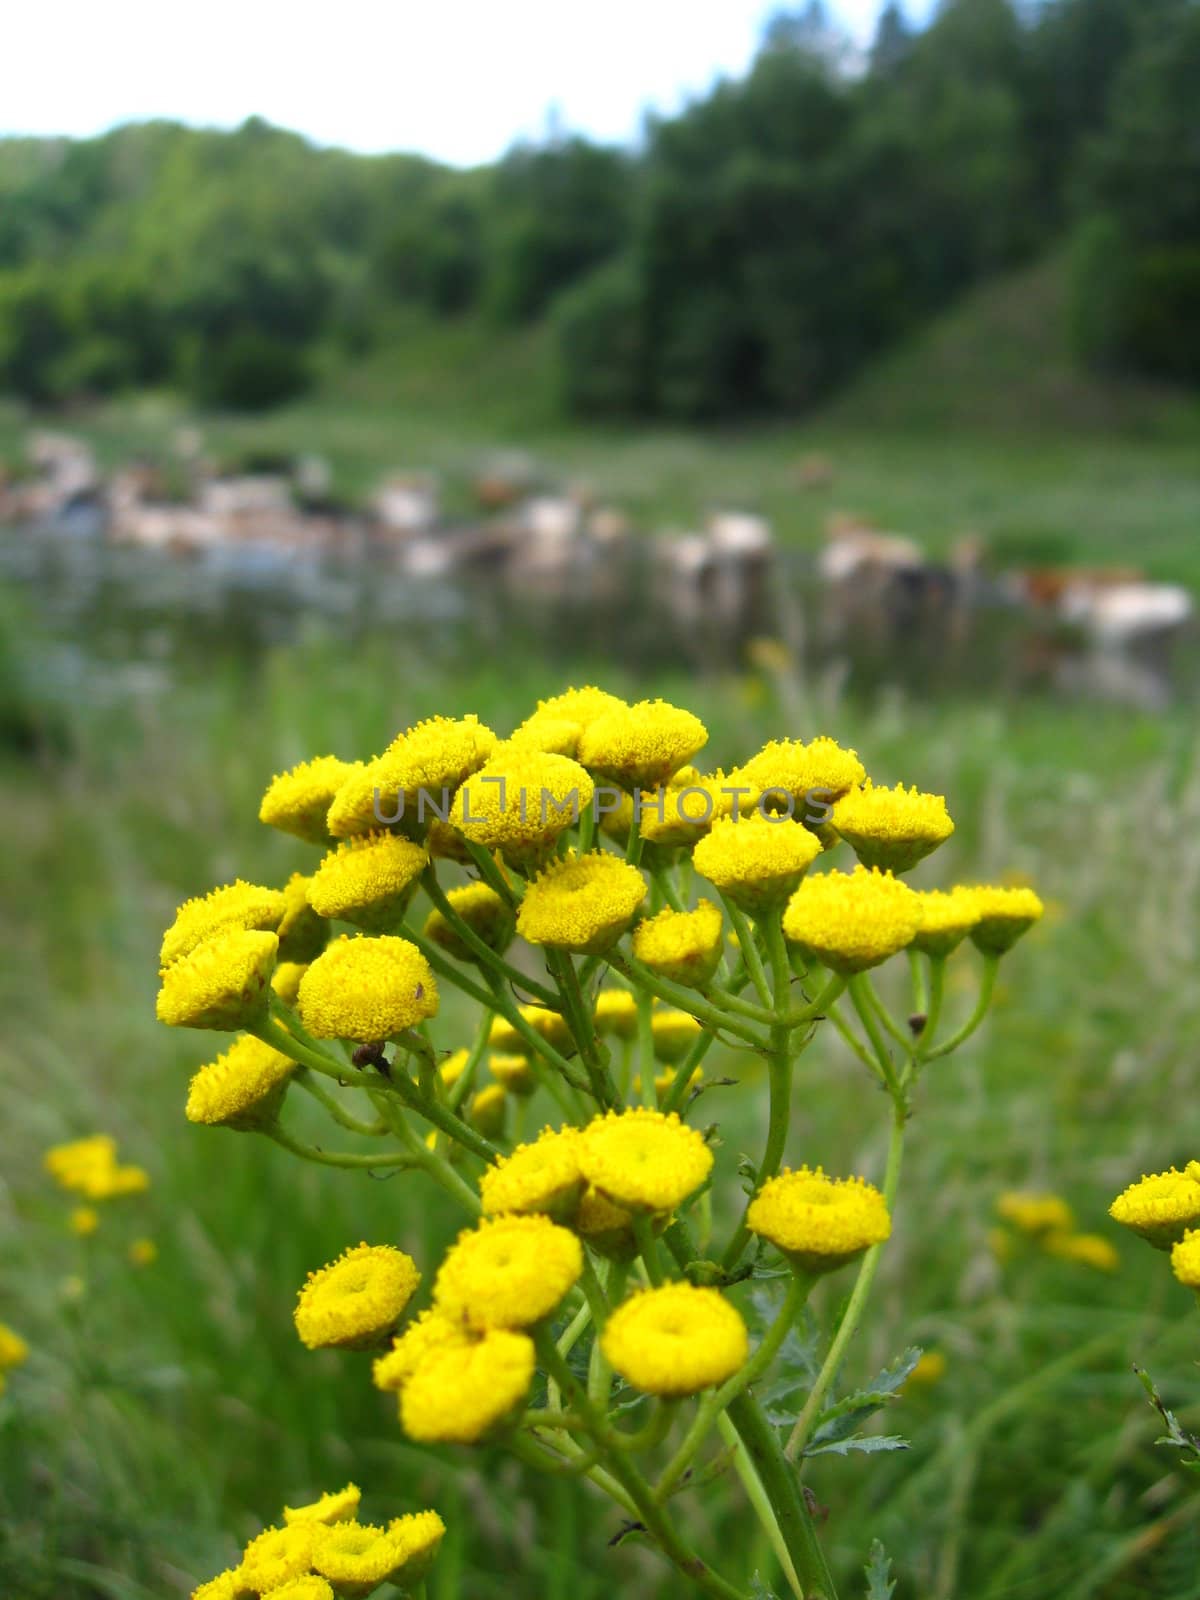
833,370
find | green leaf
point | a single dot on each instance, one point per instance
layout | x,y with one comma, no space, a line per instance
849,1413
880,1584
868,1444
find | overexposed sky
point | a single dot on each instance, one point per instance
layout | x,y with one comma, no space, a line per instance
457,81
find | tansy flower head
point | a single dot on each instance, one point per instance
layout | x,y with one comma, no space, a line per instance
461,1392
558,722
285,980
891,829
143,1253
453,1067
221,984
14,1351
1161,1208
546,1024
520,802
689,806
488,916
368,880
684,946
243,1088
89,1167
297,801
488,1110
246,906
1185,1259
509,1272
338,1505
310,1587
1003,915
640,746
643,1160
852,921
616,1013
581,903
1034,1213
543,1176
675,1340
356,1301
1085,1249
946,919
228,1585
513,1073
277,1556
673,1034
357,1558
757,861
431,1332
367,989
303,932
608,1228
792,776
417,773
817,1222
83,1221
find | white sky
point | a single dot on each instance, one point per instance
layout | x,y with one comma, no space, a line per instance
457,81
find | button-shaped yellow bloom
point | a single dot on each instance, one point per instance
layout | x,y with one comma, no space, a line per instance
852,920
673,1034
1035,1213
1084,1249
1185,1259
683,946
463,1391
368,880
285,980
891,829
520,802
297,801
488,1110
432,1332
243,1088
548,1025
419,772
643,1160
640,746
514,1073
309,1587
303,933
819,1223
946,919
356,1301
230,1585
543,1177
581,903
338,1505
89,1167
757,861
489,917
509,1272
690,805
367,989
1003,916
222,983
276,1557
675,1340
616,1013
795,777
357,1557
1162,1207
558,722
608,1228
238,905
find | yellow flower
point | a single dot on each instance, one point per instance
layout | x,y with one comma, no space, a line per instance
930,1369
368,880
488,1109
509,1272
14,1351
221,984
640,746
89,1167
303,934
286,980
757,861
464,1390
797,777
616,1013
542,1176
946,919
684,946
675,1340
356,1301
674,1033
309,1587
338,1505
852,921
367,989
357,1558
644,1160
548,1025
237,906
1185,1259
891,829
607,1228
514,1073
689,806
417,773
1161,1208
229,1585
452,1069
488,916
431,1333
276,1557
243,1088
1087,1249
665,1079
297,801
819,1223
1003,915
520,802
581,903
143,1253
1033,1213
558,722
83,1221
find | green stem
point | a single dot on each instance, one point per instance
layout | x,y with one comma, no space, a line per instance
336,1158
686,1071
647,1245
933,1016
645,1006
547,1063
861,997
490,872
987,984
344,1118
466,1078
749,949
483,953
685,999
847,1033
760,1503
781,1484
900,1034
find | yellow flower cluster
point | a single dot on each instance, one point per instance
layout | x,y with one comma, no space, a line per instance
683,946
237,906
89,1167
509,1272
891,829
298,801
643,1160
222,983
640,746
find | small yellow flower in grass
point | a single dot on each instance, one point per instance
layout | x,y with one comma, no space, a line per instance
310,1587
819,1223
367,989
581,903
462,1391
431,1333
640,746
221,984
303,932
357,1558
338,1505
356,1301
891,829
673,1033
757,861
558,722
285,981
509,1272
83,1221
548,1025
852,920
542,1176
488,1110
236,906
1185,1259
616,1013
520,802
143,1253
368,880
276,1557
488,916
1003,915
684,946
794,777
243,1088
513,1073
297,801
1086,1249
1161,1208
89,1167
644,1160
675,1340
14,1351
946,919
1034,1213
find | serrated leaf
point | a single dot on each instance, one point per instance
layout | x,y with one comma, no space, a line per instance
851,1411
878,1570
868,1444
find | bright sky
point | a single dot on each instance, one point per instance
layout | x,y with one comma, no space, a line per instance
458,81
